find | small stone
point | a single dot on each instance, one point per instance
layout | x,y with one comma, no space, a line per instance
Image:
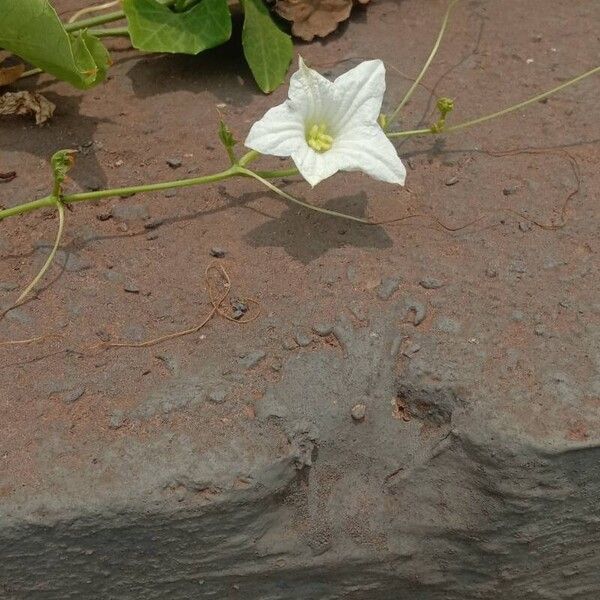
289,344
152,236
103,335
524,226
358,412
73,395
252,359
131,287
539,329
217,252
323,329
418,310
240,308
431,283
217,396
154,223
174,163
451,181
491,273
388,288
103,216
170,193
303,339
510,190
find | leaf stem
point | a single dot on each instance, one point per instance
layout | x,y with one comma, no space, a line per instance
94,21
417,81
499,113
120,31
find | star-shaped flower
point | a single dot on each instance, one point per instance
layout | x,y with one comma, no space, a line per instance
331,126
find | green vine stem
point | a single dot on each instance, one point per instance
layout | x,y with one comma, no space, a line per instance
110,31
95,21
500,113
432,54
233,171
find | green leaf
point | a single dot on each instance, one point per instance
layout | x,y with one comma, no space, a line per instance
32,30
268,50
154,27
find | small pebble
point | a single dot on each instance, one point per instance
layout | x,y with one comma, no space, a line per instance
303,339
418,309
358,412
253,358
510,190
103,216
289,344
491,273
388,287
323,329
174,163
131,287
524,226
240,308
217,396
103,335
217,252
451,181
154,223
170,193
152,236
431,283
73,395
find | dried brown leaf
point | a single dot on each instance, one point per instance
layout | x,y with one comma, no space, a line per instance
24,103
9,75
312,18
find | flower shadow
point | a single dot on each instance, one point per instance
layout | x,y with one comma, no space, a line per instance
306,235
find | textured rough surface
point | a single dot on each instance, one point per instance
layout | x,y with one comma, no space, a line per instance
227,463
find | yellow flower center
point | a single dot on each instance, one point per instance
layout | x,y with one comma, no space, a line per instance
318,138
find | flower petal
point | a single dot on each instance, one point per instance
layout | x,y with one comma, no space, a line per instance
315,166
311,94
360,93
368,149
279,133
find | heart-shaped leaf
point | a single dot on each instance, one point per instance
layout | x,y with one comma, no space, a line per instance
32,30
268,50
154,27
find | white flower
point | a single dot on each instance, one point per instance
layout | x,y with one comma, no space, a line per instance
331,126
